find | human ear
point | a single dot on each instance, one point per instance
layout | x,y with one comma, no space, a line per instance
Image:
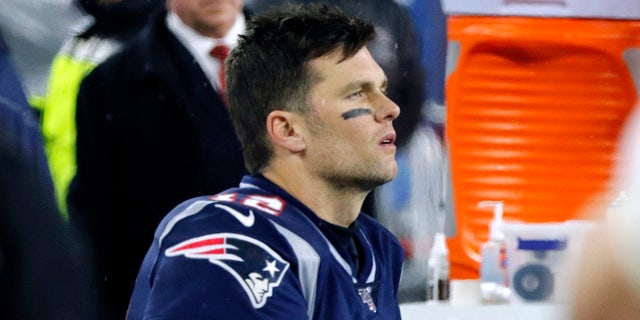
283,130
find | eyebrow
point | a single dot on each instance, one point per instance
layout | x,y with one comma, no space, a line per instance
355,113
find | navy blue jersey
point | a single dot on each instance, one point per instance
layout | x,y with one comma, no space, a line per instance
255,252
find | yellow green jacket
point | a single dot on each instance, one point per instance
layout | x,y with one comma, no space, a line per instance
76,59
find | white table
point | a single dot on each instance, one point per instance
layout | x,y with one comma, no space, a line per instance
465,305
424,311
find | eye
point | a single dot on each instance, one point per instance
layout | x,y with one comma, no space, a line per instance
356,95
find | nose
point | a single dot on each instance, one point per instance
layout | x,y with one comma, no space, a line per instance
387,110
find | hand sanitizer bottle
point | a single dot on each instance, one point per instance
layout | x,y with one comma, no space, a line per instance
438,270
494,278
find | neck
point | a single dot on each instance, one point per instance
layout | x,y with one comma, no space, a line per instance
334,204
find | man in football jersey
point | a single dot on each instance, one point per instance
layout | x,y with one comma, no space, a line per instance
308,103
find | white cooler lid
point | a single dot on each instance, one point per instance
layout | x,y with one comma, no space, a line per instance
607,9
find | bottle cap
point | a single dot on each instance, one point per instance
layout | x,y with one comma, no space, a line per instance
439,245
495,227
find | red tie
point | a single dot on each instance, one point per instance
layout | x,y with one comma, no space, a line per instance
221,52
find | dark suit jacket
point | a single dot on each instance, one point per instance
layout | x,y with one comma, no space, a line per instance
152,132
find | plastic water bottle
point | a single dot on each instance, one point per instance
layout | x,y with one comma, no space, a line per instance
494,278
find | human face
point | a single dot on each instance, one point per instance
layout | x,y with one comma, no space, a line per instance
211,18
350,141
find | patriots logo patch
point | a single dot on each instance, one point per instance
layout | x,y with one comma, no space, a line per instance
257,267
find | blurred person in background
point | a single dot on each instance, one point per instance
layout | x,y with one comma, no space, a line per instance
608,281
33,31
109,25
44,271
153,130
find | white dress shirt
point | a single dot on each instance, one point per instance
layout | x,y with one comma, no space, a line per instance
199,46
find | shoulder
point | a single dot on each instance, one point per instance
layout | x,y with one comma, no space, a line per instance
154,54
226,213
246,216
228,249
194,226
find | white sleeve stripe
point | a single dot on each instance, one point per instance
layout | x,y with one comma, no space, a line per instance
189,211
308,265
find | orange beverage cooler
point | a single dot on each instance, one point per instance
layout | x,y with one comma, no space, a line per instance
535,105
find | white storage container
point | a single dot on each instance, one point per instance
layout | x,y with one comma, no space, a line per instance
542,259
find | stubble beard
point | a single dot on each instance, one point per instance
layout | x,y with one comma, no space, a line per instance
359,179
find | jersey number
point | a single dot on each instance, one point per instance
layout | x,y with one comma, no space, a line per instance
271,205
